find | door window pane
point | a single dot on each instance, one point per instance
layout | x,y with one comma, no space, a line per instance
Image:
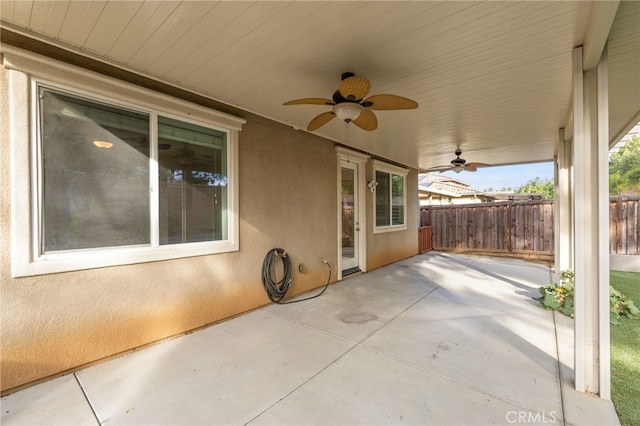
95,174
348,213
193,182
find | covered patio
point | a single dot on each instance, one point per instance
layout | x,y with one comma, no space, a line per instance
504,82
433,339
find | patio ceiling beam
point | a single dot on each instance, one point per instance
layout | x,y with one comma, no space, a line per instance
600,21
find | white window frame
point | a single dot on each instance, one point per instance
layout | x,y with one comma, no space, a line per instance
379,166
28,71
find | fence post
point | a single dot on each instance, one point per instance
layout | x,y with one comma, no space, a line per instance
510,227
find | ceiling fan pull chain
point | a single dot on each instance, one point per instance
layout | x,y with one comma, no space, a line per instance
346,133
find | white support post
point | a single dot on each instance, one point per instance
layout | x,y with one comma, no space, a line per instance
581,352
563,217
590,213
556,206
603,225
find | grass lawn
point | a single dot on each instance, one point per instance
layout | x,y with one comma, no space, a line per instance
625,353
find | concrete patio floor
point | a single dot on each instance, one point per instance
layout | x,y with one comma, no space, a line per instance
436,339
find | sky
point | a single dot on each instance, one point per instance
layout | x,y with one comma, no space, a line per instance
503,176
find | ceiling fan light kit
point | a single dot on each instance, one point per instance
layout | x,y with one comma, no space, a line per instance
347,111
348,103
103,144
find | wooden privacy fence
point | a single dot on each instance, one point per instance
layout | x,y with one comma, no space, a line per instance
624,225
523,229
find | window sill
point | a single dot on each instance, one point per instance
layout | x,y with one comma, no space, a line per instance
385,229
52,263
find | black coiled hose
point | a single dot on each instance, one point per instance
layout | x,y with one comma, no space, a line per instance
277,290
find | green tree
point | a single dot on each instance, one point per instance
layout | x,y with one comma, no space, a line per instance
537,186
624,168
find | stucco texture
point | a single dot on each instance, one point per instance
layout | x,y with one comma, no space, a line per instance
388,247
288,198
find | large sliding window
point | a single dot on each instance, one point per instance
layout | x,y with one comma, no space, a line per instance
95,174
121,182
390,197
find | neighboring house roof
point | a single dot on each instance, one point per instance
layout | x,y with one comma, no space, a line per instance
454,188
444,185
629,193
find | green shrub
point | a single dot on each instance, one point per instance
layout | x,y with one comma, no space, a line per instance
621,306
560,297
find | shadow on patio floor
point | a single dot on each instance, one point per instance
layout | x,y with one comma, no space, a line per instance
434,339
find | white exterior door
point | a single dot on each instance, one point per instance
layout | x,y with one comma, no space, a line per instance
349,221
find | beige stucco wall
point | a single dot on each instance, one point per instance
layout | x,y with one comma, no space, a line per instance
288,198
388,247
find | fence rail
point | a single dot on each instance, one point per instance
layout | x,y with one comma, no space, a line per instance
521,228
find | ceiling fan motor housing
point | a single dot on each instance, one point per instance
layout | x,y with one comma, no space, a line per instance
458,161
346,75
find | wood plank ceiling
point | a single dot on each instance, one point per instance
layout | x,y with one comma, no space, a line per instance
493,78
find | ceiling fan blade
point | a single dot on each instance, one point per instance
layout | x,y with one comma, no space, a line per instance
470,168
478,164
439,169
310,101
386,102
320,120
354,88
367,120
